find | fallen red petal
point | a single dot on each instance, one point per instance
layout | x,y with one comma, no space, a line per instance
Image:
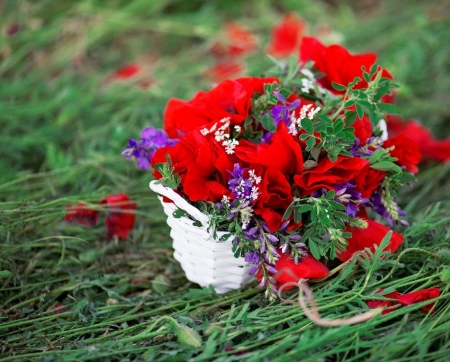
81,214
286,36
118,222
127,71
222,71
420,296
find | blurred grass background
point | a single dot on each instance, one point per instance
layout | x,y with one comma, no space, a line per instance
64,123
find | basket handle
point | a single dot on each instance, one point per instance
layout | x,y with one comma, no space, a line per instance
179,201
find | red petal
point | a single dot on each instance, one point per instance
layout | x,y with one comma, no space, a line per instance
286,36
420,296
81,214
308,268
222,71
367,238
128,71
119,223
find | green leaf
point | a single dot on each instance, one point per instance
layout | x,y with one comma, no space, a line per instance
307,125
310,143
304,208
360,111
338,86
161,284
386,166
314,249
350,118
309,164
178,213
330,194
268,124
374,157
5,273
388,108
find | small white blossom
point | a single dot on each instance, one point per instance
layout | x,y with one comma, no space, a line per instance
230,145
237,128
307,85
313,112
255,179
307,73
255,194
225,200
304,111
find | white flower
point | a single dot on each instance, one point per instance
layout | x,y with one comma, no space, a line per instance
253,178
237,128
230,145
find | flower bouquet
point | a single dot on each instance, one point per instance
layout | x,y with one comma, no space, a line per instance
280,172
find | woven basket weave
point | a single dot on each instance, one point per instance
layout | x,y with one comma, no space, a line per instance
205,260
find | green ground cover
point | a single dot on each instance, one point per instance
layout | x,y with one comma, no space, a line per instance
63,126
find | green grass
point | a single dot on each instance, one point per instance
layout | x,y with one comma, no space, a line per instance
63,128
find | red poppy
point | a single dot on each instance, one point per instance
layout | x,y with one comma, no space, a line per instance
81,214
430,147
222,71
234,41
288,271
286,36
368,180
337,64
230,98
368,238
283,153
406,151
328,174
119,222
275,197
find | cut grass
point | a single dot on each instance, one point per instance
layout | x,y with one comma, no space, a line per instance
63,128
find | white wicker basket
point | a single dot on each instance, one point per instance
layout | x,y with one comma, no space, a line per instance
204,259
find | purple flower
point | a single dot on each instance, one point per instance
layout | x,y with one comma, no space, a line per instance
144,148
375,203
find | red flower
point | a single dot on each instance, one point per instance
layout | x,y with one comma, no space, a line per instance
231,98
406,299
368,238
406,150
222,71
275,197
283,153
368,180
202,164
420,296
308,268
431,148
128,71
235,41
328,174
337,63
372,304
286,36
118,222
81,214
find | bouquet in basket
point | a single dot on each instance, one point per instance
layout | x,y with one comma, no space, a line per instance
288,166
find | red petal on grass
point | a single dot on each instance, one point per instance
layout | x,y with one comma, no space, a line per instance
308,268
118,222
127,71
81,214
420,296
372,304
286,36
223,71
234,41
431,148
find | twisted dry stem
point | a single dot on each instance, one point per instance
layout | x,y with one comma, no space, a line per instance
305,294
